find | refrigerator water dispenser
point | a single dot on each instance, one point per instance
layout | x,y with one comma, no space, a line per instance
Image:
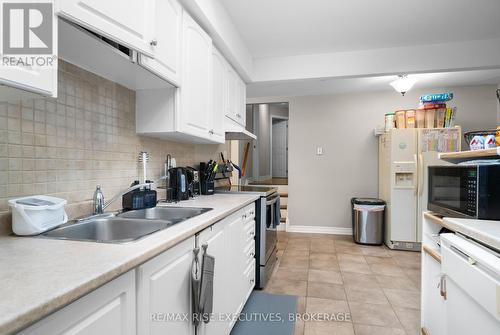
404,173
404,180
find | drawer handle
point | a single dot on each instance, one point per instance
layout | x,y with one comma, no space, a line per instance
442,287
244,216
154,42
252,254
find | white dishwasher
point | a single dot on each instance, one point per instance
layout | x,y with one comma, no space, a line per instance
472,287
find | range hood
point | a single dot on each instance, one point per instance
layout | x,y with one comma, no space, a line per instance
235,131
99,55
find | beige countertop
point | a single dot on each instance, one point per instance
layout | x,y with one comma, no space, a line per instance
484,231
38,276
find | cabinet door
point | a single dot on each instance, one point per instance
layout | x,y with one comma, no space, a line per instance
236,100
164,292
196,87
108,310
433,304
219,96
241,96
241,252
214,237
167,45
231,93
18,82
128,22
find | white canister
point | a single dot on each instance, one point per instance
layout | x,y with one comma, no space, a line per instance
490,141
477,143
36,214
389,121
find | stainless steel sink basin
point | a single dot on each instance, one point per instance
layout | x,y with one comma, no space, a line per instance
124,227
173,214
109,229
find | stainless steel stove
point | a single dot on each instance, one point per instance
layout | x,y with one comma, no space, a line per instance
267,211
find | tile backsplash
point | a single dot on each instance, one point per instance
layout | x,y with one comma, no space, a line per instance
66,146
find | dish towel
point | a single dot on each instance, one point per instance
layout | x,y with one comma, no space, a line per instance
277,213
207,285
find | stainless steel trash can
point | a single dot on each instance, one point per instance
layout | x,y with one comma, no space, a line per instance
368,220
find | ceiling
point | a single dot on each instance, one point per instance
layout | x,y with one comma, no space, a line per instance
351,85
297,27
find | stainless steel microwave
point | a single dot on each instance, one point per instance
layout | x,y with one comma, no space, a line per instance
465,191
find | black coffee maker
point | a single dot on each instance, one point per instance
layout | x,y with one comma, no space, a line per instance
181,184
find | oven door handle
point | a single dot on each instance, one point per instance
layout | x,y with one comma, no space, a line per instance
272,201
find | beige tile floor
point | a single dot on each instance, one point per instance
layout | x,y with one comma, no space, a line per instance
378,287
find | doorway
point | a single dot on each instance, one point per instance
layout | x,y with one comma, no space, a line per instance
268,150
279,147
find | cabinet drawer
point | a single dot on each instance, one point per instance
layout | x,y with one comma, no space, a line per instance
249,252
249,226
249,232
250,211
249,276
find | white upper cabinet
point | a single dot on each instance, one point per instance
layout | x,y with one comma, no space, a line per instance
166,46
196,90
235,109
20,81
241,98
208,87
219,96
128,22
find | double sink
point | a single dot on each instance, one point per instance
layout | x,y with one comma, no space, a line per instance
125,226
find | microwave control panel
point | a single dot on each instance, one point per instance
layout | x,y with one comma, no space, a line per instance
471,189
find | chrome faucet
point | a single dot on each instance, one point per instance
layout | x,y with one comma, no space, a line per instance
100,205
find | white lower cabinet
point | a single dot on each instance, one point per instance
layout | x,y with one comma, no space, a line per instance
155,298
215,238
164,292
108,310
433,302
234,276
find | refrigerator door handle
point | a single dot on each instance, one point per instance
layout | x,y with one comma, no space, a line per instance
416,177
420,174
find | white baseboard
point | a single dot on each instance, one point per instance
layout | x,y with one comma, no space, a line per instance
318,230
283,226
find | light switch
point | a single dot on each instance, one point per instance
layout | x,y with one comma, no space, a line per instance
319,151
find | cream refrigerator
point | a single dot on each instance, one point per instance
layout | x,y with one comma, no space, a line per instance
404,155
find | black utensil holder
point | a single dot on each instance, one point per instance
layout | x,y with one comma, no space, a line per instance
207,187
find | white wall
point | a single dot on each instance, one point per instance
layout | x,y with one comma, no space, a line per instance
320,187
263,139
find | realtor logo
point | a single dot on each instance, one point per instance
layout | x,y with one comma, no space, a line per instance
27,28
